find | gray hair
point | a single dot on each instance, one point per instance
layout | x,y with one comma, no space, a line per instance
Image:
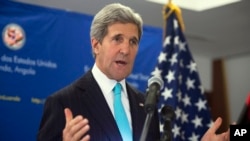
113,13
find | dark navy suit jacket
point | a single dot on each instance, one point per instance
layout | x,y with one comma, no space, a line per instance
84,97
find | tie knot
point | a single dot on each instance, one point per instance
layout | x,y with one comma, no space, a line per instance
117,89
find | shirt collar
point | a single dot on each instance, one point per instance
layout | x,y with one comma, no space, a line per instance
104,82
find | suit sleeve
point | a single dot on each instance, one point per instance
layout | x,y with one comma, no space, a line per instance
52,122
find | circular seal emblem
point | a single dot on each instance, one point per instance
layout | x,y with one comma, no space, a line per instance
13,36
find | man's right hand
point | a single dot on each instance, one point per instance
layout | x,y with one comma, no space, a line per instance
75,128
211,135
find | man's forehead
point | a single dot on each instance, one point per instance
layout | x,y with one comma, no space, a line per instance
119,29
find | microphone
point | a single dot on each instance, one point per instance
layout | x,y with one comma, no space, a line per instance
168,115
155,84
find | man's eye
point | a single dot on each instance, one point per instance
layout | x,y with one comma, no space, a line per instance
134,42
117,38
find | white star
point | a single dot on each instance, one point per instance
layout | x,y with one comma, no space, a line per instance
176,40
167,93
182,46
201,104
173,59
178,113
210,124
186,100
197,122
175,24
192,66
194,137
162,57
180,79
166,41
179,97
190,83
156,72
183,135
159,109
202,89
161,127
176,130
184,117
181,63
170,76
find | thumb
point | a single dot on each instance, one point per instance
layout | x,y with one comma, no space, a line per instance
68,115
216,125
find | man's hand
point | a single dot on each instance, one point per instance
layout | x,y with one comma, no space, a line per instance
211,135
75,128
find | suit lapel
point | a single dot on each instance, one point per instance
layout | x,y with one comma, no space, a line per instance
100,111
137,111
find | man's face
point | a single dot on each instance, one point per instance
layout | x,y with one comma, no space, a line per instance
116,54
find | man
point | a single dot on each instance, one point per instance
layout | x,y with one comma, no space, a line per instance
84,110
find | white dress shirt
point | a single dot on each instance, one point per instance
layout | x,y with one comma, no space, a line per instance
107,86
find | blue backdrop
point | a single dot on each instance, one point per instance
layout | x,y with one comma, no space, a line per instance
41,51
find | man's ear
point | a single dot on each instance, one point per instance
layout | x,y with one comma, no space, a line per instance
95,45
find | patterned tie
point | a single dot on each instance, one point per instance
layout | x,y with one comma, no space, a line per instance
120,115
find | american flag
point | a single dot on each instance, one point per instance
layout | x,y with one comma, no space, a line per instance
182,87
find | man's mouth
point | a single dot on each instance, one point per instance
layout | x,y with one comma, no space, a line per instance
119,62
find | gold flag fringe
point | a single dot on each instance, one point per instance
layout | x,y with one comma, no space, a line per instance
173,8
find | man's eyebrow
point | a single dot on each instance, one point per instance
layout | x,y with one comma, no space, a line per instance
135,38
116,35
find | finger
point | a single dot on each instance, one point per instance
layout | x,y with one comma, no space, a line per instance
227,134
72,126
68,115
227,137
215,125
80,128
86,138
68,118
82,133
